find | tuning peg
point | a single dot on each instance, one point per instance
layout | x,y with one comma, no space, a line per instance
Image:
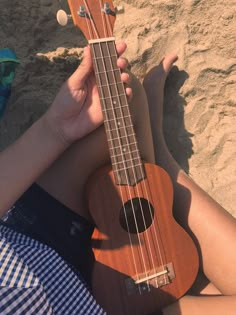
119,9
63,17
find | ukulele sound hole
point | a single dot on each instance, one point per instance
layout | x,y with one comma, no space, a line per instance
136,215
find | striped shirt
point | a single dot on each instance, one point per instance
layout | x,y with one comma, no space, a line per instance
34,280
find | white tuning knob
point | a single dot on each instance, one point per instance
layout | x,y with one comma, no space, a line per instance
119,9
62,17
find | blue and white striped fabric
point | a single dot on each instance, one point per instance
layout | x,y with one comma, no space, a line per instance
34,280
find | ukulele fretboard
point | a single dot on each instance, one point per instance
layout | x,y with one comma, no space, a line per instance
125,157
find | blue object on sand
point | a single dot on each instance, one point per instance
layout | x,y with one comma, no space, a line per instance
8,64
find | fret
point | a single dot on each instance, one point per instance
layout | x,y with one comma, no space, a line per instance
117,115
108,78
114,127
110,97
130,167
105,72
119,107
120,127
109,84
115,119
128,177
124,147
105,57
122,154
127,161
120,132
112,92
116,107
110,65
122,137
119,118
105,49
123,142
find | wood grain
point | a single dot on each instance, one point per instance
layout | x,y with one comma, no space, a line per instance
115,256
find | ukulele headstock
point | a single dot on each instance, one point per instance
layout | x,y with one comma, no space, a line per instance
95,19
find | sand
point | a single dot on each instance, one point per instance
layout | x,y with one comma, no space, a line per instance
200,92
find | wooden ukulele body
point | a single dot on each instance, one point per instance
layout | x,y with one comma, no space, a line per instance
162,253
144,259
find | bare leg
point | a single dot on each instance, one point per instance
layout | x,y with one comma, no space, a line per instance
212,228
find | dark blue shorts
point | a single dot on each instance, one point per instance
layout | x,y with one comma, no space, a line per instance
42,217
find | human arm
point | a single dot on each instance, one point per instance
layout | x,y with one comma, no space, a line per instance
74,113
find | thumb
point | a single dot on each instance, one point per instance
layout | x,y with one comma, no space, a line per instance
80,75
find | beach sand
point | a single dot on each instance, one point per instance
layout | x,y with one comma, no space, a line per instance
200,94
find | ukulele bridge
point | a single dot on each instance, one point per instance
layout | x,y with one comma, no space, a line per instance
156,278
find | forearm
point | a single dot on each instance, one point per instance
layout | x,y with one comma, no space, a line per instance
25,160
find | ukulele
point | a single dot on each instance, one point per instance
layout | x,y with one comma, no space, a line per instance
144,260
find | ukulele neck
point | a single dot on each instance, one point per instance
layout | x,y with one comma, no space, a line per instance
125,157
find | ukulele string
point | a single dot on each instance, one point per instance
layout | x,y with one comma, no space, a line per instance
91,21
138,194
155,230
134,174
108,23
103,22
100,83
122,155
156,242
95,31
126,174
148,241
